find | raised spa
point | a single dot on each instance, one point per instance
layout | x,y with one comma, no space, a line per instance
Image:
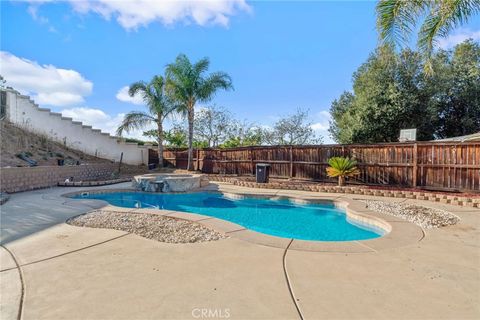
281,218
165,182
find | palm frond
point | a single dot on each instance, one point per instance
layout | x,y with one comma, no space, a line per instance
396,19
134,120
214,82
444,16
171,106
158,83
342,167
177,83
201,66
136,88
179,67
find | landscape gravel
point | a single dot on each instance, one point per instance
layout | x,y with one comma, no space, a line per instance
151,226
422,216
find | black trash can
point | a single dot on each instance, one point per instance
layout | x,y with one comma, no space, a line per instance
262,172
152,166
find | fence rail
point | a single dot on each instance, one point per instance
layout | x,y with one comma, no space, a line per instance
446,166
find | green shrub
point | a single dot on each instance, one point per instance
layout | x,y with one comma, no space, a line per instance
139,142
342,167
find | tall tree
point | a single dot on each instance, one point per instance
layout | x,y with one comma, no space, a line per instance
294,129
213,124
188,84
456,88
242,134
159,107
391,92
176,137
339,129
397,19
386,98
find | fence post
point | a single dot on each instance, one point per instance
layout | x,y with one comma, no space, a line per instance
291,162
415,165
198,159
120,163
251,160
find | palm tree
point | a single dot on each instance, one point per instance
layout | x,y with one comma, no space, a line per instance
159,107
396,20
188,84
342,167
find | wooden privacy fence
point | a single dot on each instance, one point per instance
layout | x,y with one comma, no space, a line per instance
447,166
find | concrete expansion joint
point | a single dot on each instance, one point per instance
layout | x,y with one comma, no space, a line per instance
424,234
45,196
454,210
366,246
76,250
22,282
242,229
204,219
287,278
71,204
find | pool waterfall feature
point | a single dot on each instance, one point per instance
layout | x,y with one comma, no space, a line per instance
165,182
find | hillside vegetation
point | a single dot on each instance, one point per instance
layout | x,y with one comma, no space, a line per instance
16,141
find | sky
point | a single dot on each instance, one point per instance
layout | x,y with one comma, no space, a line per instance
78,57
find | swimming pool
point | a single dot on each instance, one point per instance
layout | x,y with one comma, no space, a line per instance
281,218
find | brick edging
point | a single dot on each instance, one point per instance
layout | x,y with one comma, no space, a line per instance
419,195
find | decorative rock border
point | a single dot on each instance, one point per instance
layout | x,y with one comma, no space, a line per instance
93,183
419,195
398,232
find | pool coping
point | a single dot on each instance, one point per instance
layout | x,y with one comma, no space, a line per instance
399,232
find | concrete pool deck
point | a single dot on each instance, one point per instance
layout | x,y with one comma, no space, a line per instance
80,273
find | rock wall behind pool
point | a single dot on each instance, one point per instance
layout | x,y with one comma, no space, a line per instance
30,178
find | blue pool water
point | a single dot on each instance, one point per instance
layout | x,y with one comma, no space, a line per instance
281,218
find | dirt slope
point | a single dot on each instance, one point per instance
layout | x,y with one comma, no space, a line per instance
16,141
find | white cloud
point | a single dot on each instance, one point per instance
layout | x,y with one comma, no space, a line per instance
33,11
321,126
98,119
457,37
95,118
46,84
132,14
123,95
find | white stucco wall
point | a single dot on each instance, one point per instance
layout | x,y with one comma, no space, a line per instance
22,111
